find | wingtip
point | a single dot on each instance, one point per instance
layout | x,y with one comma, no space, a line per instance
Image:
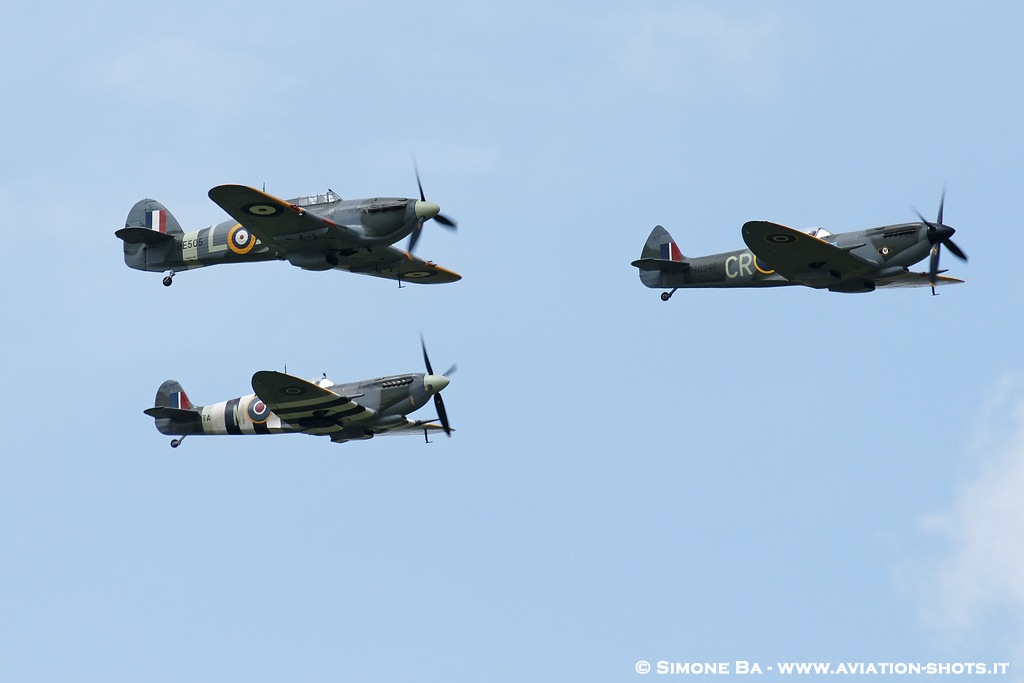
229,188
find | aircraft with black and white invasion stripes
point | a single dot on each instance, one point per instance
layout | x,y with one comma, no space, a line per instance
281,403
776,256
317,232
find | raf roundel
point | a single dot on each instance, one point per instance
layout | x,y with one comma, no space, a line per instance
780,238
261,209
240,240
258,411
293,391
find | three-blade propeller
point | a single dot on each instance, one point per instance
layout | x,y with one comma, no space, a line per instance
939,235
439,382
424,212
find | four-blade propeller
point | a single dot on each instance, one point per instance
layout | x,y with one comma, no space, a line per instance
939,235
436,383
424,212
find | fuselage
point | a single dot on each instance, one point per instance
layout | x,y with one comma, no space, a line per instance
363,225
390,398
891,248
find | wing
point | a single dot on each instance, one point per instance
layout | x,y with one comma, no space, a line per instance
412,427
800,257
395,264
307,407
290,228
275,222
911,279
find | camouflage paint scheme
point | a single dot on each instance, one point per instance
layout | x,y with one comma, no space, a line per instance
778,256
281,403
318,232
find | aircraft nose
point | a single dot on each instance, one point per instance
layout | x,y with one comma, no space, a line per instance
425,209
435,383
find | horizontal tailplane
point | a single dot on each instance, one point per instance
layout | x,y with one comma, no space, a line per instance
143,236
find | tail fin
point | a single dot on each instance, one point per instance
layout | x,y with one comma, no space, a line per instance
152,215
660,254
173,412
661,247
171,395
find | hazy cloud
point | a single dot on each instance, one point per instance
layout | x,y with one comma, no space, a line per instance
687,46
980,573
182,72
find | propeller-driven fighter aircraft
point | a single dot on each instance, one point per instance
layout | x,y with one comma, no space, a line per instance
776,256
318,232
281,403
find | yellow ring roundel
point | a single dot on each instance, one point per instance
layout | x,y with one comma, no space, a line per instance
240,240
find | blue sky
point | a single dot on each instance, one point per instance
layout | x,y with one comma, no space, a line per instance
776,475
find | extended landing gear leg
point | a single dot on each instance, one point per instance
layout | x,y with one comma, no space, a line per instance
177,442
665,296
169,278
